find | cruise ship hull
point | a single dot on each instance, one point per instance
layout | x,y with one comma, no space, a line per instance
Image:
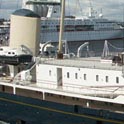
83,35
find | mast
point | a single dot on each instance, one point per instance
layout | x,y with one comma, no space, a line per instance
60,54
91,10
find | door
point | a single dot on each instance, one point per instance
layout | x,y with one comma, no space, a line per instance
59,77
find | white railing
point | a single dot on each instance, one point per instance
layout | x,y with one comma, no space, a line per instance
108,92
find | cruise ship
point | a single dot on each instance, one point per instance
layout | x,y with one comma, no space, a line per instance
91,28
49,86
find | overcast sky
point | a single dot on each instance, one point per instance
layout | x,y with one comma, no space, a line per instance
8,6
113,9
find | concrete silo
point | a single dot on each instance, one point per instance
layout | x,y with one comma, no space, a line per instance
25,30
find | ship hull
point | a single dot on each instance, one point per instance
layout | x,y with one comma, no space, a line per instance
75,36
17,109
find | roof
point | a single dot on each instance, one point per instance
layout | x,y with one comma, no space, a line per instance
43,2
26,12
91,62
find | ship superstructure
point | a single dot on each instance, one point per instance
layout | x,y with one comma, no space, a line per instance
75,29
94,83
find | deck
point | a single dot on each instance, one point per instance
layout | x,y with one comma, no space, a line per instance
111,98
91,62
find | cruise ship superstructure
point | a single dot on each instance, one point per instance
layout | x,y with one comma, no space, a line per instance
91,28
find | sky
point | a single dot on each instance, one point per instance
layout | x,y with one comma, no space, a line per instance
8,6
112,9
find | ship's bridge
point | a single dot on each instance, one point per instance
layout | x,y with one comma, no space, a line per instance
44,8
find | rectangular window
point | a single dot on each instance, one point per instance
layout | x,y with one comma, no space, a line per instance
76,76
106,79
49,72
68,75
97,77
117,79
85,76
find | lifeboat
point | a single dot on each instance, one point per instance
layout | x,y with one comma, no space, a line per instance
14,56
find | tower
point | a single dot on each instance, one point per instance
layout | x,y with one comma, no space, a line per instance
25,30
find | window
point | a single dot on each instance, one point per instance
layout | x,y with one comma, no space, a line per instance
117,79
55,11
76,76
106,79
68,75
97,77
49,72
85,76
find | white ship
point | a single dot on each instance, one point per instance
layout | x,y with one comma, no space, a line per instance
102,76
93,27
60,88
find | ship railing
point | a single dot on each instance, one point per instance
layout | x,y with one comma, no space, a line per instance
104,92
81,64
27,80
96,92
89,91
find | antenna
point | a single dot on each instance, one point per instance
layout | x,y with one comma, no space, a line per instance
101,14
91,11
